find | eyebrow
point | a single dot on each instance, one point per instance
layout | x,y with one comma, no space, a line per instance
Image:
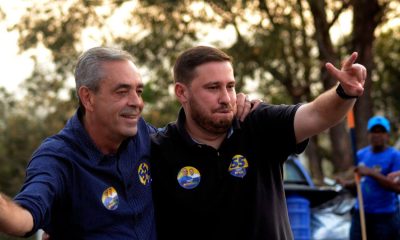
219,82
128,86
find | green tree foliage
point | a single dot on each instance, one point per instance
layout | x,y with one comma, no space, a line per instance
28,121
280,45
386,84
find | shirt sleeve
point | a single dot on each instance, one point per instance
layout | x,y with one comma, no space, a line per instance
277,121
396,161
43,184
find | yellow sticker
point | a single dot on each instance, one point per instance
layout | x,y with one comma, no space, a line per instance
144,174
238,166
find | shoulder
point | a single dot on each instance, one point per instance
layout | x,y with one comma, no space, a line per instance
165,134
145,126
364,150
274,113
394,153
145,129
64,141
52,152
272,118
273,109
165,144
55,145
58,150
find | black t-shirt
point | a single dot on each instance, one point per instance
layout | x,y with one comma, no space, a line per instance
235,192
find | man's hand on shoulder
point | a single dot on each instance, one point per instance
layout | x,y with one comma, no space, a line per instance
245,106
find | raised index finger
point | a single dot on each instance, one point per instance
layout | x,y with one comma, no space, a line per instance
350,61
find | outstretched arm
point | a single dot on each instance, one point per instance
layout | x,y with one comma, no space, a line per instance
329,108
14,220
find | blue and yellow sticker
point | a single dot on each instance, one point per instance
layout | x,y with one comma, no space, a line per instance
110,198
144,174
238,166
189,177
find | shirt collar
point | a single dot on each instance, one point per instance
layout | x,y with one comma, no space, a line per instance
84,140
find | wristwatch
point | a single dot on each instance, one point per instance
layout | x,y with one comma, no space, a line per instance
342,94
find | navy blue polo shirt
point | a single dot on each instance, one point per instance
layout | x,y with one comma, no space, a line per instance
234,192
73,191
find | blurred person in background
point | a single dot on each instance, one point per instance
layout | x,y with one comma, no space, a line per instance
375,164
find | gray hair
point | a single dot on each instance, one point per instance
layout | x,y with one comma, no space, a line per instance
89,71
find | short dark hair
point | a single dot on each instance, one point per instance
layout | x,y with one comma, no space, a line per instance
187,61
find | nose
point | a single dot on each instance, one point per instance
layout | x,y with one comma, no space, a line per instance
224,96
135,100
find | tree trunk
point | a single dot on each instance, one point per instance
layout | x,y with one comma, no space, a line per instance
314,159
341,155
367,14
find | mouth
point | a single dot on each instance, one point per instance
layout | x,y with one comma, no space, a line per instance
130,116
224,110
130,113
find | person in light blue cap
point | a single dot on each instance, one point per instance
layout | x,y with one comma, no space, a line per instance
374,163
379,121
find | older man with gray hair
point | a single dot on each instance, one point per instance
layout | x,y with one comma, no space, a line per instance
92,179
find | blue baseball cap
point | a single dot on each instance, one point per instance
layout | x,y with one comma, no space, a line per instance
379,120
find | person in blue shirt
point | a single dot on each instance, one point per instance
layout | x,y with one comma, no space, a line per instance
92,180
374,164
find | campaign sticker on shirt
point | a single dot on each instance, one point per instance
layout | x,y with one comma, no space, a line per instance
144,174
238,166
110,198
189,177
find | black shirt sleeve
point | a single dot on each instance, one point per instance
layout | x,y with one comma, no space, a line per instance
273,125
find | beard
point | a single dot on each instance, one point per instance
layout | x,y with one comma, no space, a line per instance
206,122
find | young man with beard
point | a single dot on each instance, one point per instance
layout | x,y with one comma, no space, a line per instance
239,193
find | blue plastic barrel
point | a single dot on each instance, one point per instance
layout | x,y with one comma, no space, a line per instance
299,217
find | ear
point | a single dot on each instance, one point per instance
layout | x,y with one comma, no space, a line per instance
86,97
181,92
